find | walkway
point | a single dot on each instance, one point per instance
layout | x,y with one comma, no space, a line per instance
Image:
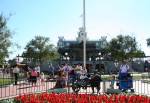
12,90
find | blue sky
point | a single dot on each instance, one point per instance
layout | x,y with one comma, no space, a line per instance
53,18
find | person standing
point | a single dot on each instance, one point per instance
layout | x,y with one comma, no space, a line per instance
66,69
124,76
37,69
42,78
60,80
123,72
124,68
83,73
34,77
16,73
78,69
112,82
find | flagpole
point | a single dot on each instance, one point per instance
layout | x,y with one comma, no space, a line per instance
84,39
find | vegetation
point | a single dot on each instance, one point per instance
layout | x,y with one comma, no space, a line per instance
6,81
5,36
148,42
81,98
39,49
124,47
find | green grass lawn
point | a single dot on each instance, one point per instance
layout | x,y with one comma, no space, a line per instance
136,76
5,81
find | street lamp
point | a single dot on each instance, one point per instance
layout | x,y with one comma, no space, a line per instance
66,53
5,64
90,59
67,58
99,58
99,53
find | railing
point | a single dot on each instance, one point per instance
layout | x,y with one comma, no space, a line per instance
8,89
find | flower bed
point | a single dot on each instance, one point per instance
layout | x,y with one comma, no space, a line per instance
80,98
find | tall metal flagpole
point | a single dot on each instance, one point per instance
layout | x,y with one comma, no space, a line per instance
84,39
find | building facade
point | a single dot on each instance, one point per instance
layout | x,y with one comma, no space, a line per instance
72,51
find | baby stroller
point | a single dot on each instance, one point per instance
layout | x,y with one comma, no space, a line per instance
79,83
125,82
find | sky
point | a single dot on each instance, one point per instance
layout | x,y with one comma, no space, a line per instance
54,18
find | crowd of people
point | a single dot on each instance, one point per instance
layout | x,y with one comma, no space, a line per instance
66,74
78,77
32,74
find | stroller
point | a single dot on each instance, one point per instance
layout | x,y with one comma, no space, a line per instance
78,83
87,81
125,82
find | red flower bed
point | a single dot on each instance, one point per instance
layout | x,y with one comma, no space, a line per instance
81,98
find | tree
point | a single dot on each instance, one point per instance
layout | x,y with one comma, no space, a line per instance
148,42
39,49
5,36
124,47
104,47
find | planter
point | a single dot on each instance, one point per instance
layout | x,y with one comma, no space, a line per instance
80,98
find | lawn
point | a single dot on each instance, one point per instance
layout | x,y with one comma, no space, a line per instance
136,76
5,81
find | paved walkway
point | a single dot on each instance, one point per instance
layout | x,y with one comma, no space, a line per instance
24,88
13,90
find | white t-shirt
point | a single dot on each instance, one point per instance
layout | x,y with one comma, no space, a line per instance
37,69
16,70
124,68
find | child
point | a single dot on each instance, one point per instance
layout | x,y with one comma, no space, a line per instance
42,78
33,77
61,82
112,82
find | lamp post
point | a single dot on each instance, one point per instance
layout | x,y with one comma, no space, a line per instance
116,65
5,63
19,59
99,55
66,56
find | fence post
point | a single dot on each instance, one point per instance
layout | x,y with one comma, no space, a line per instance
104,87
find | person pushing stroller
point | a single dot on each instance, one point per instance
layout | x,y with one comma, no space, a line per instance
125,78
124,68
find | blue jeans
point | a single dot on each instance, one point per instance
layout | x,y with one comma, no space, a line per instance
122,76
